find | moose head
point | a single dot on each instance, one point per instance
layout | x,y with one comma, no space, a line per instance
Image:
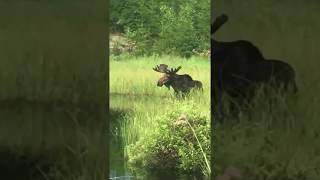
169,75
180,83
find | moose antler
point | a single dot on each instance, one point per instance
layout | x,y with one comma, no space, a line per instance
218,22
173,71
161,68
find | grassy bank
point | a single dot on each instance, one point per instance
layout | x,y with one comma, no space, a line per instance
133,89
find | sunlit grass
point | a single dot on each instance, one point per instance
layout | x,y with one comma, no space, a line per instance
136,77
133,89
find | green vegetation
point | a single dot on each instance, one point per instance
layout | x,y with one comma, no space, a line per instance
163,27
134,76
52,52
59,142
147,128
53,85
171,144
278,141
144,34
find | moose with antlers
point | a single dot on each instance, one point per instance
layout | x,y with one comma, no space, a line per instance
239,68
180,83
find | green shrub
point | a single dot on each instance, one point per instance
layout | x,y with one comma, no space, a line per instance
172,145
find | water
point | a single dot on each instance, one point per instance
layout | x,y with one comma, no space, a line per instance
119,170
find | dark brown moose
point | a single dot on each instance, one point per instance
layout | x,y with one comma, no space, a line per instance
239,68
180,83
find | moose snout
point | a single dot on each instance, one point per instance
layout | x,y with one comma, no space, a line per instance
159,83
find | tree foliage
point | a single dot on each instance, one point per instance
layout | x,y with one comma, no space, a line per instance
163,27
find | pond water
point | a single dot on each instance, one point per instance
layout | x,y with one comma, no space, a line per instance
119,170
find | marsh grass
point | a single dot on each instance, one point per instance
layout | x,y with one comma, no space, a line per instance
272,140
134,76
133,89
53,60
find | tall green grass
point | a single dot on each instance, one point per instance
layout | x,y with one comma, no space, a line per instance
133,89
135,76
272,141
63,142
55,51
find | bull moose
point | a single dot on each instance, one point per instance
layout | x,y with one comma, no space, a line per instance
239,68
180,83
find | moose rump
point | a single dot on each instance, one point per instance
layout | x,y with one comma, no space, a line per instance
275,72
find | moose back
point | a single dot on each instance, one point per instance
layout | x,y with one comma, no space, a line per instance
239,67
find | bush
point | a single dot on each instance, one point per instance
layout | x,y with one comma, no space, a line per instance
173,146
172,27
